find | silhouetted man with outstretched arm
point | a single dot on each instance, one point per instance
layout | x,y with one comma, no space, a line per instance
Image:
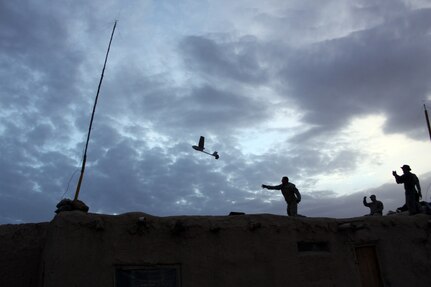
291,195
412,188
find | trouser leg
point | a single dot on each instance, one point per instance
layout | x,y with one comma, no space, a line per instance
411,203
292,208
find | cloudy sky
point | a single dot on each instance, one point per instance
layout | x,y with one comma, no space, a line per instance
329,93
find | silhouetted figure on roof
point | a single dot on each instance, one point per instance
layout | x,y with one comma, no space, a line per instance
412,188
291,195
376,206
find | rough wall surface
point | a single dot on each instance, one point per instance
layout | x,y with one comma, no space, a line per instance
20,253
78,249
245,250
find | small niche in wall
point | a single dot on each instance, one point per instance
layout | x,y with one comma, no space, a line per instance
148,275
313,246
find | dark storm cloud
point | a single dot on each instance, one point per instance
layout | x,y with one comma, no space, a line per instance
33,63
222,109
231,60
171,108
309,21
32,179
39,69
374,71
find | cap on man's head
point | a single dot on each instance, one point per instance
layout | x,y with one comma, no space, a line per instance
371,196
406,167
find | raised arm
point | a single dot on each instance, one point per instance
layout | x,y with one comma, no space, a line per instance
398,178
365,202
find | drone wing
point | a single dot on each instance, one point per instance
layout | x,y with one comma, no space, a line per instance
201,143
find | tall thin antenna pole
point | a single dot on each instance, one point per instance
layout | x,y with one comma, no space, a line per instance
84,160
428,120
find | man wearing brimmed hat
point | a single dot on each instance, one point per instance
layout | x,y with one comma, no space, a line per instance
412,188
376,206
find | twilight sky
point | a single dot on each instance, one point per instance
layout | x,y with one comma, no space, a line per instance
328,93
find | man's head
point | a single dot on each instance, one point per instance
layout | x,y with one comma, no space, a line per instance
406,168
285,179
373,197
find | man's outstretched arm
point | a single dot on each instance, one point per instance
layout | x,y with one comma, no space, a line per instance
278,187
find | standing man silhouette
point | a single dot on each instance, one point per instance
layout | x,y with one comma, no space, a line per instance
291,195
412,188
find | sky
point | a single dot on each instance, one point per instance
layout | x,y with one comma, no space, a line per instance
329,93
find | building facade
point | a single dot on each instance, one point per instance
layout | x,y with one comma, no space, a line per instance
137,249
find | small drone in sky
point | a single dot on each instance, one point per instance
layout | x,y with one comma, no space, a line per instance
200,147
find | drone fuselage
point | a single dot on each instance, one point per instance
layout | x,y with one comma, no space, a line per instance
198,148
